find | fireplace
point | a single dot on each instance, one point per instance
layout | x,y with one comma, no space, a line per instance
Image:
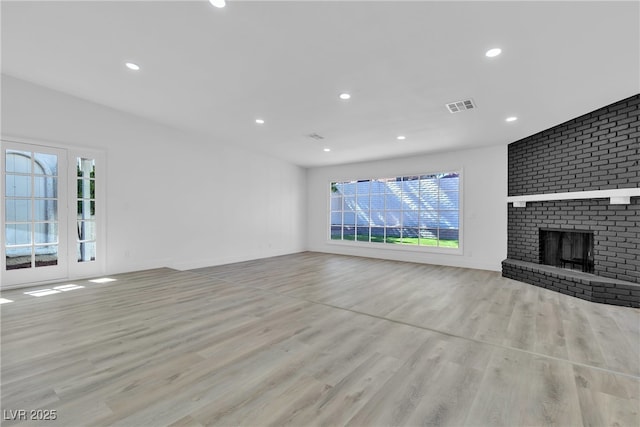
573,216
570,249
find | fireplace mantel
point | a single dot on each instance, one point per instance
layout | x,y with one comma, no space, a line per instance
619,196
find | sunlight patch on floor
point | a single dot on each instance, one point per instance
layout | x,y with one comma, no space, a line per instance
69,287
42,292
102,280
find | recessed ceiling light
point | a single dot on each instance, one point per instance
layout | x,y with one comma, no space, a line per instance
401,137
345,96
327,150
260,121
132,66
493,52
511,119
218,3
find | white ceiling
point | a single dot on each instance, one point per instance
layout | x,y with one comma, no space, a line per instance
214,71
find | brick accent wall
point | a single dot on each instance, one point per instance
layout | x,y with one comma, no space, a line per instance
596,151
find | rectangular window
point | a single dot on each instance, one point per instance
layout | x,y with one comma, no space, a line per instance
419,210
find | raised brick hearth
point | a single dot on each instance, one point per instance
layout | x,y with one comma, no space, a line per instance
582,285
597,151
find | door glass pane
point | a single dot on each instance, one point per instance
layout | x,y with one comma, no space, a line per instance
18,161
46,164
46,255
18,234
31,209
18,185
46,232
86,251
45,210
86,189
86,209
86,230
45,186
18,258
18,210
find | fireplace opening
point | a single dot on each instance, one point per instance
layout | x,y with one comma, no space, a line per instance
567,249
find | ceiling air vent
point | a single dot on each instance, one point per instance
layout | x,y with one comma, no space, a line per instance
315,136
458,106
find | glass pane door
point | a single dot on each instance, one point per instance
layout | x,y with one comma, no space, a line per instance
85,222
33,232
86,185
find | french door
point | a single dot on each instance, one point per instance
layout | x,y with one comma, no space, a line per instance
49,227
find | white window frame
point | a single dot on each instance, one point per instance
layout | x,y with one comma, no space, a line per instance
401,247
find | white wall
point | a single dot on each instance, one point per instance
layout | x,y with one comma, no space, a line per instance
483,196
169,200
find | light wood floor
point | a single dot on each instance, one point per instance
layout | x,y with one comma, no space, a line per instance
315,339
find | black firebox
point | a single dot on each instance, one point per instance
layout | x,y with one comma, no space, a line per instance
571,249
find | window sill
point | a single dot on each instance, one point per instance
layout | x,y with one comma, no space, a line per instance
397,247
